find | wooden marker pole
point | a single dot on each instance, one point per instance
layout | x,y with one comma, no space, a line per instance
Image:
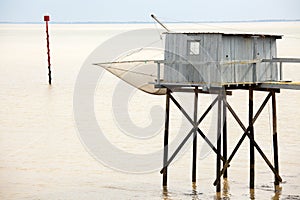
46,19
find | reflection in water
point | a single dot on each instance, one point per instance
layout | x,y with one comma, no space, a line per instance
226,189
277,194
165,194
225,195
194,191
252,194
218,196
194,194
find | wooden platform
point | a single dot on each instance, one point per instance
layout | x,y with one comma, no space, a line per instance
242,85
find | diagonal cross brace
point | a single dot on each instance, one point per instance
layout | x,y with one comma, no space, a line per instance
195,125
191,131
246,133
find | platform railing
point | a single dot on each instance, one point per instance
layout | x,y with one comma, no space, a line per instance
255,61
281,61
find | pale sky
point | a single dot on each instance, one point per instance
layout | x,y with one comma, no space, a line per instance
140,10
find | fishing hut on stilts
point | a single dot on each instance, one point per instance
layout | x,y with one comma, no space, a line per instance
218,63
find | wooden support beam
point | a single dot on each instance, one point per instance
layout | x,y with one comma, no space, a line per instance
188,135
275,142
246,133
218,162
287,60
192,122
225,175
177,151
166,138
194,162
251,134
192,90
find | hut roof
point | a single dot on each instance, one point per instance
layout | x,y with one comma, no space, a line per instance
229,34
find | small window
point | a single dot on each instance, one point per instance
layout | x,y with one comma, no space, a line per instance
193,47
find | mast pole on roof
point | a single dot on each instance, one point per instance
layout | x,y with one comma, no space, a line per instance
160,23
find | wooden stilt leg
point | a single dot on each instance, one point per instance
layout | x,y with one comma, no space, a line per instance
251,133
225,175
275,142
166,138
218,167
194,168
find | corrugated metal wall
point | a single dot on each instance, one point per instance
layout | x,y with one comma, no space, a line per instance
207,63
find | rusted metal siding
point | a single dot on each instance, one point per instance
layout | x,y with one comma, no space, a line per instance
214,62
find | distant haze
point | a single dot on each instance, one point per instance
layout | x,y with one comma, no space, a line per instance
140,10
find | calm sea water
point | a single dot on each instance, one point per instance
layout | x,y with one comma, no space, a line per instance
41,156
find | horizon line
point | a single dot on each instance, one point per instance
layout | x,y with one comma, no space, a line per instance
147,22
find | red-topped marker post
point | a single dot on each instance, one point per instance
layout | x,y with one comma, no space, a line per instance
46,19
